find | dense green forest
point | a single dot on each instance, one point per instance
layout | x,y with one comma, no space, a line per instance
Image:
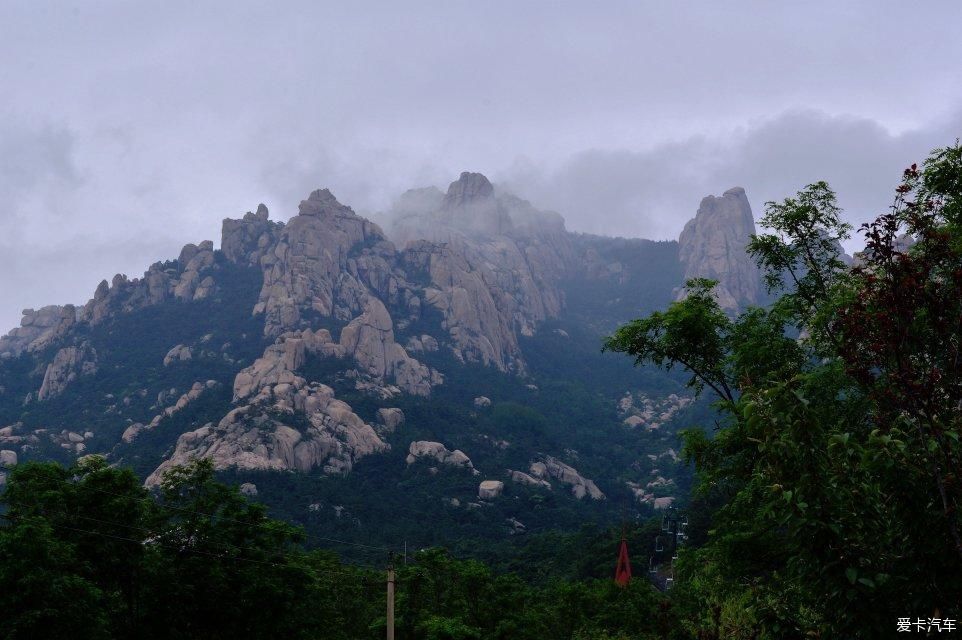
89,553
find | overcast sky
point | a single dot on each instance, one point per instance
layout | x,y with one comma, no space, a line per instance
128,129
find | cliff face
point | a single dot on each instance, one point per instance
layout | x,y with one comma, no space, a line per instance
322,262
712,245
494,265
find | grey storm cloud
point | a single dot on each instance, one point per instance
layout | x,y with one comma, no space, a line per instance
129,129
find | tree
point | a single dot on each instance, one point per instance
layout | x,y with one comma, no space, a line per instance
837,456
72,513
89,553
901,326
43,590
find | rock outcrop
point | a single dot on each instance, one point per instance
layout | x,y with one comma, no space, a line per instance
180,353
427,450
321,263
390,418
490,264
471,272
196,390
187,278
490,489
270,398
38,329
190,277
247,240
645,494
493,266
130,433
69,364
523,478
471,207
257,436
663,503
552,468
281,360
71,441
369,339
8,458
712,245
651,413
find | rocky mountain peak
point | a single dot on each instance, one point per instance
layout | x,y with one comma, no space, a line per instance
734,191
469,188
730,209
712,245
470,206
322,202
246,240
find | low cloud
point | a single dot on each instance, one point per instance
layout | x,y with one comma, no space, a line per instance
652,193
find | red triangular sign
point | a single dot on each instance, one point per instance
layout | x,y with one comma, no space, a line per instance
623,568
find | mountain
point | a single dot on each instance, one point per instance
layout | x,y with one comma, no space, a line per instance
712,245
449,367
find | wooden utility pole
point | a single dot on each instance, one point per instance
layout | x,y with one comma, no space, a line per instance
390,602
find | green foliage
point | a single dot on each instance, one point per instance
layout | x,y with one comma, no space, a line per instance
89,553
832,486
445,598
694,333
45,593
